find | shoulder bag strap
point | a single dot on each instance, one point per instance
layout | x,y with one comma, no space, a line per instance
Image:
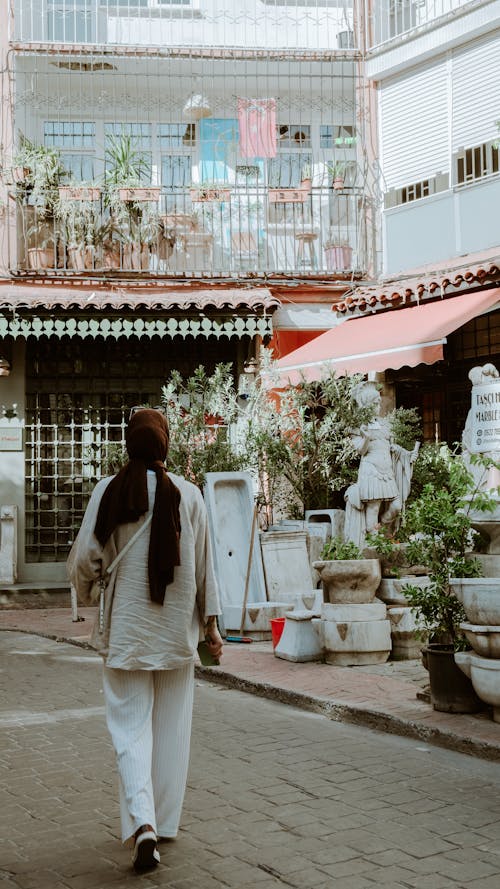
103,580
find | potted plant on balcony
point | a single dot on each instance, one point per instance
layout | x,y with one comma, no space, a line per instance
210,191
141,239
41,253
38,172
36,195
306,177
338,254
79,223
440,535
288,195
129,202
337,171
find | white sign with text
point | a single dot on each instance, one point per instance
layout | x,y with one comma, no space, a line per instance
485,416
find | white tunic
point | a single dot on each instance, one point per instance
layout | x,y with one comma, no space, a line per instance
140,634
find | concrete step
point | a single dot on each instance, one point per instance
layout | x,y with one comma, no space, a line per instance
35,595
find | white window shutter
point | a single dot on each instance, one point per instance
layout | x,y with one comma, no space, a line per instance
476,93
414,126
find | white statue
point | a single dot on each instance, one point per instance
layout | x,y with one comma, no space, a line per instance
384,475
485,480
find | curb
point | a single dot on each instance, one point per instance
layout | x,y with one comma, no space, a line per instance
353,714
70,640
331,709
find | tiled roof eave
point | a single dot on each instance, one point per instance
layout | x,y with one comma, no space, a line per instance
17,298
406,292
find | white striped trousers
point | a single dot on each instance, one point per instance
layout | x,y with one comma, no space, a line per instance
149,715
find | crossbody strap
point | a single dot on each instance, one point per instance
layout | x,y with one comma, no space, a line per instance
114,563
125,549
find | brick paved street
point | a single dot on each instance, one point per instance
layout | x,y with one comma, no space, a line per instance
276,798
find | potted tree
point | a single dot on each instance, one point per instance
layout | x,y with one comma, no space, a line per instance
440,535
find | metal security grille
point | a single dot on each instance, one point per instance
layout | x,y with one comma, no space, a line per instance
79,395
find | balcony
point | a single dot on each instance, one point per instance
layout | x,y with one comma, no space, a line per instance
389,19
184,23
210,230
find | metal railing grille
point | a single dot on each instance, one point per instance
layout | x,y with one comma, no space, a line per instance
79,395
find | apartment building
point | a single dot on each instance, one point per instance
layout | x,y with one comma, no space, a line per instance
181,181
433,71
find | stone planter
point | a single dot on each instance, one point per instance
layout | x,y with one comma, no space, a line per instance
350,582
480,597
404,628
390,589
485,676
356,642
485,640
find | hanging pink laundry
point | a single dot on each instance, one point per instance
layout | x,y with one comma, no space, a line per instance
257,122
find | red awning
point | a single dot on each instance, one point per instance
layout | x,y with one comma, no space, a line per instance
391,339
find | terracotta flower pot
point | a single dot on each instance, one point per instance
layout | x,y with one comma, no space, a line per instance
41,258
76,258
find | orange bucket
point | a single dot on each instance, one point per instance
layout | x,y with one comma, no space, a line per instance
277,625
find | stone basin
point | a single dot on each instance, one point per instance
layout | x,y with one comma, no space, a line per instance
349,581
484,640
485,676
480,597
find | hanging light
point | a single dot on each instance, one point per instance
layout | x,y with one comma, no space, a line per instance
5,366
196,107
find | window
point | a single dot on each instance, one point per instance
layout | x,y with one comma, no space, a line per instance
174,138
416,190
71,21
293,135
176,135
340,135
76,142
475,163
285,170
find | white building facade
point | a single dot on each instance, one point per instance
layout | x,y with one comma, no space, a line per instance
436,67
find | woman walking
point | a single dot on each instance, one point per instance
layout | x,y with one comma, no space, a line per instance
150,528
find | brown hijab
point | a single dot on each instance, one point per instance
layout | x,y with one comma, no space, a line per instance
126,498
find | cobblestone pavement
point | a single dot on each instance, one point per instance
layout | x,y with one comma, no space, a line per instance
276,798
381,696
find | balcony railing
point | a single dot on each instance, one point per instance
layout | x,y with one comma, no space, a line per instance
167,23
392,18
209,230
